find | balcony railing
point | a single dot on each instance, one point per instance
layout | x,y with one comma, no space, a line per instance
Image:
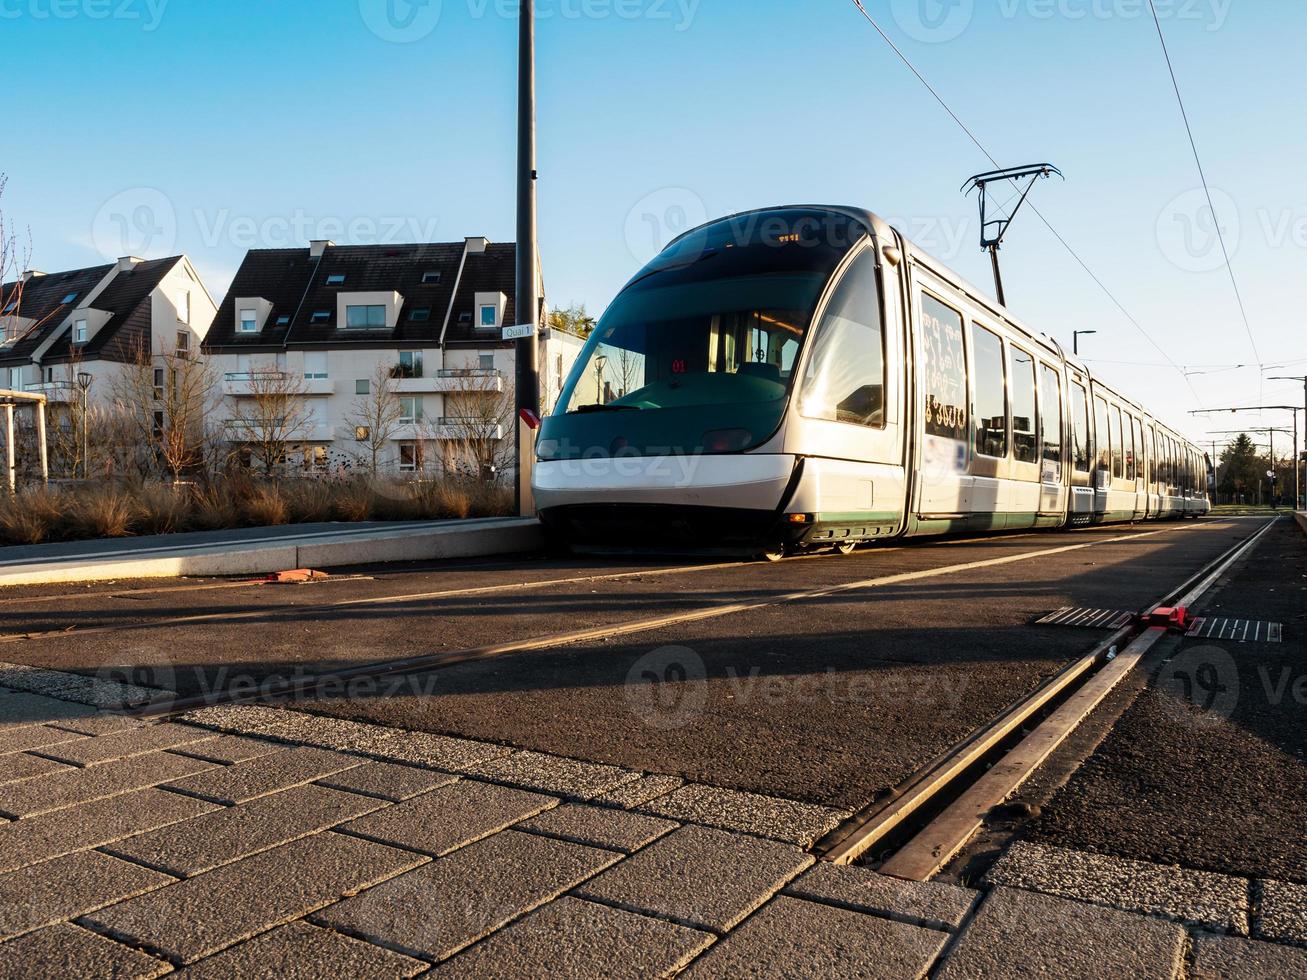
255,375
469,373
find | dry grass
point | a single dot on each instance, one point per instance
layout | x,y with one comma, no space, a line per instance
31,516
266,506
113,510
104,511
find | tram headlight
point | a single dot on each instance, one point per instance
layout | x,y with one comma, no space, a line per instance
726,440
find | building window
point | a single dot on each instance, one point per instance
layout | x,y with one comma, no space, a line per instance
465,317
183,342
15,379
184,307
158,424
410,364
486,362
410,457
430,278
158,382
79,332
365,317
362,386
410,410
335,279
67,300
249,321
489,316
315,458
315,365
320,316
283,320
420,315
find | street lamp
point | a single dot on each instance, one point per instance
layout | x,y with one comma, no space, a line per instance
1075,339
84,382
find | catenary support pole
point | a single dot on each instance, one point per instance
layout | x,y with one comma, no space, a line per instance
527,366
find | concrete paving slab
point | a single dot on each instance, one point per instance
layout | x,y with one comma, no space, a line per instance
639,791
449,904
1223,957
20,765
582,941
450,817
228,749
700,877
73,786
124,744
766,816
1019,933
1283,912
299,951
88,825
22,738
70,951
264,775
43,894
616,830
79,688
1200,898
100,723
229,834
441,752
389,780
925,903
204,914
18,708
552,774
802,940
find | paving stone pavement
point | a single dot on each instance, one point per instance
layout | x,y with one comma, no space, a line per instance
254,841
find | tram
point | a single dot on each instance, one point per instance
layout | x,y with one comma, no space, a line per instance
801,378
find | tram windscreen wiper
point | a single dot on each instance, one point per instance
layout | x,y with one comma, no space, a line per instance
588,409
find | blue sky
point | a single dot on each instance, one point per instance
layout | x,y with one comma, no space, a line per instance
209,128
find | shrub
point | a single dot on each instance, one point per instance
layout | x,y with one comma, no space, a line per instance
102,512
213,508
32,516
162,509
492,500
266,505
355,500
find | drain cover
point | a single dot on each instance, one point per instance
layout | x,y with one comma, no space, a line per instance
1098,619
1236,630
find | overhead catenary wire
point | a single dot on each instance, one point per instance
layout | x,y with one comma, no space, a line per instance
989,156
1202,175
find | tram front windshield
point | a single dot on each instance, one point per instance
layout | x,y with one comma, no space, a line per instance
699,352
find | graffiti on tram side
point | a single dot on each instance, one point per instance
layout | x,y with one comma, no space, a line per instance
944,359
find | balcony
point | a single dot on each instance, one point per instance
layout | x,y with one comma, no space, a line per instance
253,429
247,383
448,380
56,392
453,428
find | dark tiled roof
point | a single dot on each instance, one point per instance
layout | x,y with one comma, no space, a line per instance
127,297
491,271
297,287
43,302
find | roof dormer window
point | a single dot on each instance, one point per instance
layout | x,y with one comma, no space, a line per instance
336,279
69,299
283,320
365,317
320,316
420,315
249,322
430,278
79,332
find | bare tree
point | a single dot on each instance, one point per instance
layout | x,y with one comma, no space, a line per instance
375,417
271,416
474,430
169,399
15,257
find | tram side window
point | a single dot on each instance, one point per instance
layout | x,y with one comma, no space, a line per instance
1080,427
1129,438
1118,443
991,395
845,377
1103,435
944,366
1025,435
1050,420
1141,451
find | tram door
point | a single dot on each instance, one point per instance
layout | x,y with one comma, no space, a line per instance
944,487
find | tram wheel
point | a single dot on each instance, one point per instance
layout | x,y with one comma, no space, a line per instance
846,547
773,554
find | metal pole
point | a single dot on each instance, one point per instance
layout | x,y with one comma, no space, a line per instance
10,460
41,449
527,377
998,276
1272,431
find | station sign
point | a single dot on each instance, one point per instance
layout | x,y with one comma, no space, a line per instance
518,331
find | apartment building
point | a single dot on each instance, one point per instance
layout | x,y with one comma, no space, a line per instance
318,332
93,322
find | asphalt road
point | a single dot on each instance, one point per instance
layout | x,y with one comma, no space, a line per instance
1208,767
831,699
